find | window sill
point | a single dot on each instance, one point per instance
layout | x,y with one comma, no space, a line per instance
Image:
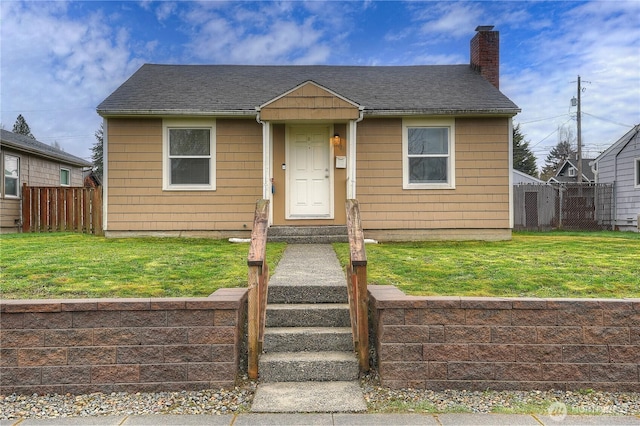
190,188
428,186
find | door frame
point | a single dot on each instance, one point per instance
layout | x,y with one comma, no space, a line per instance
328,128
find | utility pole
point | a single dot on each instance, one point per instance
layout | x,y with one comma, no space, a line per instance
579,122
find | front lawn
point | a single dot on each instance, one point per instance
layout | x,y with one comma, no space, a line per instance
554,264
38,266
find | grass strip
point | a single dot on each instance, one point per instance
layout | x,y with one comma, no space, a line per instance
554,264
65,265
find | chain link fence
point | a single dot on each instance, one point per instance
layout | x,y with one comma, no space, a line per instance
571,206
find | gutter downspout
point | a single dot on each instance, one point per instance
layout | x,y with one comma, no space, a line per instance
266,163
511,208
105,175
351,155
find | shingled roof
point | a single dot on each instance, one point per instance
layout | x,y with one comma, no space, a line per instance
26,144
239,89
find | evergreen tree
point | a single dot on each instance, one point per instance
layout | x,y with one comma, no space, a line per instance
97,152
523,158
21,127
559,153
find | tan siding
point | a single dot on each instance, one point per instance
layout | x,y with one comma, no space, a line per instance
309,102
481,197
135,197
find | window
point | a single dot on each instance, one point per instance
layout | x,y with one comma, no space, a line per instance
65,177
571,172
428,154
11,176
189,151
637,181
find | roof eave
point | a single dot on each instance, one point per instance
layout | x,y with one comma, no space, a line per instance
174,112
508,112
50,156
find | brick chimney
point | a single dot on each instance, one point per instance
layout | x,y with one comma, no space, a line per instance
485,54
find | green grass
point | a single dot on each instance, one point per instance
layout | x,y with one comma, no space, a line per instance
554,264
35,266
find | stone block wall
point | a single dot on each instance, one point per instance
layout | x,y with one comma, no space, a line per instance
505,343
121,345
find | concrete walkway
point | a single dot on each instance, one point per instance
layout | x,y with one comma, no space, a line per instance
335,419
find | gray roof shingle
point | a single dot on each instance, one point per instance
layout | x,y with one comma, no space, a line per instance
27,144
239,89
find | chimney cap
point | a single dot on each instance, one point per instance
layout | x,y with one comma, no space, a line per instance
484,27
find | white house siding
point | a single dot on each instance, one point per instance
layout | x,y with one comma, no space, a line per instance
617,166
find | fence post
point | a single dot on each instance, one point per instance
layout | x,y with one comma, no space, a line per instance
26,208
357,284
96,210
258,278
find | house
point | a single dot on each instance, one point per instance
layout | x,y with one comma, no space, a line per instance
520,178
568,172
426,150
620,164
26,160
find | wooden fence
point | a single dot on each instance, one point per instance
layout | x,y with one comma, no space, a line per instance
56,209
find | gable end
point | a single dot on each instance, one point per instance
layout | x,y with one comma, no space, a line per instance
309,101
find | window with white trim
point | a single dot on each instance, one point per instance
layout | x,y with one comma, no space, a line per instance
428,154
571,172
637,178
11,176
189,155
65,177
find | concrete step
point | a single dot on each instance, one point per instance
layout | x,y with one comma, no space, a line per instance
308,366
309,397
301,239
312,293
298,339
308,315
308,234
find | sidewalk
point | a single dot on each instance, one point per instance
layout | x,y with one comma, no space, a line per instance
334,419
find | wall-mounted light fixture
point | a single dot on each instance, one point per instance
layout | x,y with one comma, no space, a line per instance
336,140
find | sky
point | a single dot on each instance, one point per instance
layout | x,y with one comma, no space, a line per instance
60,59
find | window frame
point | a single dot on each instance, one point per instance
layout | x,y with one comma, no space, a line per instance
169,124
448,123
4,177
64,169
636,182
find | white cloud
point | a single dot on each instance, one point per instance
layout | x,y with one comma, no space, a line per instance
598,41
56,69
257,36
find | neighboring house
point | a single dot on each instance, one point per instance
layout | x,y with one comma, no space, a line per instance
25,160
425,149
519,178
568,172
620,165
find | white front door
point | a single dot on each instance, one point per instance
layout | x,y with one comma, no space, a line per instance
310,173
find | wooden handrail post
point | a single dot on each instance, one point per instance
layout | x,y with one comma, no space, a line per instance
258,284
357,284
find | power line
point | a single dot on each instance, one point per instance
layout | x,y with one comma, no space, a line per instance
606,120
542,119
546,137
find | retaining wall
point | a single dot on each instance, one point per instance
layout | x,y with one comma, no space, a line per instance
505,344
121,345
